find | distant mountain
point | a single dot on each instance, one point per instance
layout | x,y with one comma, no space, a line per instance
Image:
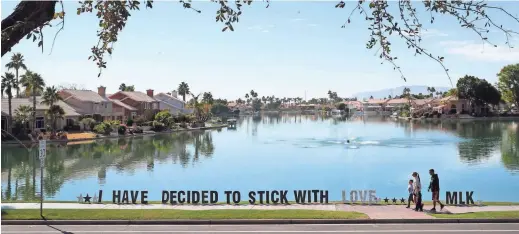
415,89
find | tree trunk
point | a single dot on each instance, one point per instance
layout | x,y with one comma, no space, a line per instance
17,86
34,108
27,16
10,122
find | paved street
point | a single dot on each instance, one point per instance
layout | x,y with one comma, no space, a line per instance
351,228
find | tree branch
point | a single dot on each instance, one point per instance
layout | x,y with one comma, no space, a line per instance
26,17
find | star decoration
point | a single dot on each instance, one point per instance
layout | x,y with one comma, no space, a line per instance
87,198
95,198
394,200
80,198
386,200
402,200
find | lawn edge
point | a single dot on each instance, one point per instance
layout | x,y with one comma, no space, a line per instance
250,221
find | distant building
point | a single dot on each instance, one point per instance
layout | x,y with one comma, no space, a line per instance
71,114
92,104
135,103
171,102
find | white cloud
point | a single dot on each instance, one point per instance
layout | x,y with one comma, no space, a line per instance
297,19
482,52
433,33
265,31
313,25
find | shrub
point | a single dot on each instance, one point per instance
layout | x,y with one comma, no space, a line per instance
435,113
163,117
157,126
138,130
129,122
139,120
104,127
219,108
452,111
89,122
121,130
100,128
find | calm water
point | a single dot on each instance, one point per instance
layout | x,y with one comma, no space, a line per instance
280,152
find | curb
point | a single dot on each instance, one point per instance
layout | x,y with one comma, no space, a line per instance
252,221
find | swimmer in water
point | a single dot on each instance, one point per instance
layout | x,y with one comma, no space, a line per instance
348,141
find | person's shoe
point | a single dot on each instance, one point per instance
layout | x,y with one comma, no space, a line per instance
407,207
433,210
441,206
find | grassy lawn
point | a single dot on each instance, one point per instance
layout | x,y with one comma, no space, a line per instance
481,215
103,214
84,135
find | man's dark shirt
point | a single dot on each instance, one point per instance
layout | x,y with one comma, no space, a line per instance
435,183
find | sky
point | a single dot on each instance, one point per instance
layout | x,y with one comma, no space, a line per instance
286,50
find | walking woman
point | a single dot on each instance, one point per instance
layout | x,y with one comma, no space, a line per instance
417,187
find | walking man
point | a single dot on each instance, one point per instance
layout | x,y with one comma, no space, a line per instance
434,186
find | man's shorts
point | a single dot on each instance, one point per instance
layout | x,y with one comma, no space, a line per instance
436,195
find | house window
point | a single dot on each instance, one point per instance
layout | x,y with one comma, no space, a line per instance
154,105
134,114
70,122
40,122
462,106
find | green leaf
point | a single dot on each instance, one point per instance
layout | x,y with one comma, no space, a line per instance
223,30
40,43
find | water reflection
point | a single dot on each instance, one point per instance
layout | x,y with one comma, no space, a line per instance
20,168
481,140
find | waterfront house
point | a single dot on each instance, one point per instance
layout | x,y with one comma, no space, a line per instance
171,102
376,105
139,102
353,105
397,103
92,104
71,114
453,105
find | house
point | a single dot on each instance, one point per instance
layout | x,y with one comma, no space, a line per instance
354,105
171,102
396,103
453,105
374,105
134,103
71,114
92,104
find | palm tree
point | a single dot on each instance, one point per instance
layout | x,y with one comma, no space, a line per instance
183,90
50,97
23,115
53,113
16,63
33,84
431,90
8,84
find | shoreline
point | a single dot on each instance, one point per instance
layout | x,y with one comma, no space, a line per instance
460,119
147,133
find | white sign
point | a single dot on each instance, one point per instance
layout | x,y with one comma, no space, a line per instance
43,149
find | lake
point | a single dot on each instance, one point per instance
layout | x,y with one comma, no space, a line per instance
288,152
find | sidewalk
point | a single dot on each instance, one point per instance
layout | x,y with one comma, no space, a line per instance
374,212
